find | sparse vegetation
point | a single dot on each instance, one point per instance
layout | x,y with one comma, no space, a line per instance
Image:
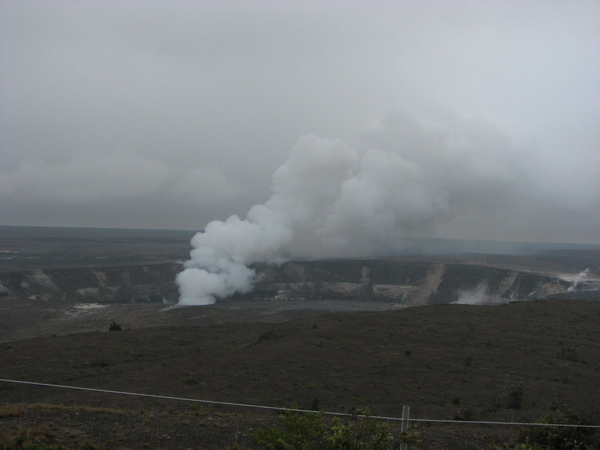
542,438
199,409
569,354
40,438
190,380
465,415
11,409
301,430
515,398
356,366
92,364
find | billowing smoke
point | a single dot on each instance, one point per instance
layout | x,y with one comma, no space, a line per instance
407,176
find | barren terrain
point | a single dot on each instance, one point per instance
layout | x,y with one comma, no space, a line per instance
506,362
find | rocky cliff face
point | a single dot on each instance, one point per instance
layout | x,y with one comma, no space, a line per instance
149,283
404,283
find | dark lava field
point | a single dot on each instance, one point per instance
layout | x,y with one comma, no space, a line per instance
336,335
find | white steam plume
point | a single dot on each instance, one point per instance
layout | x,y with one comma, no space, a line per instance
479,296
305,191
330,200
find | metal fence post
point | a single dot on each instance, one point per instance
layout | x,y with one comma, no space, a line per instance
404,424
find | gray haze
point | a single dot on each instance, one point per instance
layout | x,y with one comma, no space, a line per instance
339,125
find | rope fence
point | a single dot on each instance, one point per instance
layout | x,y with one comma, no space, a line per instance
276,408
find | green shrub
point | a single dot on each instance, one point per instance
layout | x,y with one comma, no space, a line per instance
307,431
541,437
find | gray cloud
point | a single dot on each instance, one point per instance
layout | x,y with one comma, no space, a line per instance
150,114
87,176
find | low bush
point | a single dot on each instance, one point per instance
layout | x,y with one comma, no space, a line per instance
552,437
304,431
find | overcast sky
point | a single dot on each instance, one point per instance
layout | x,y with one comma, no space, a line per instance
155,114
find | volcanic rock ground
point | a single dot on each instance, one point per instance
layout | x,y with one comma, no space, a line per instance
334,335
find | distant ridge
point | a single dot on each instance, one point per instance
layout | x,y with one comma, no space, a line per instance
408,245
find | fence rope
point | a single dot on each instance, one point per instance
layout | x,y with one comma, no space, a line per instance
297,410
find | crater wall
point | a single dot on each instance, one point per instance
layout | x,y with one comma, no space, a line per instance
403,282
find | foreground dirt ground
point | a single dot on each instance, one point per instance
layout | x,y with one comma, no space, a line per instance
493,363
